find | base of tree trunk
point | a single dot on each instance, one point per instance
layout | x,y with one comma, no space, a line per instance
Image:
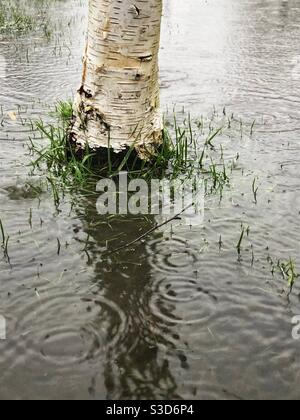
103,157
89,128
117,106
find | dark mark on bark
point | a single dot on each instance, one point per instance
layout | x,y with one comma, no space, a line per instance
138,11
134,9
105,124
146,57
87,93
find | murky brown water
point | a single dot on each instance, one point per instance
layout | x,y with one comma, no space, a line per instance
174,317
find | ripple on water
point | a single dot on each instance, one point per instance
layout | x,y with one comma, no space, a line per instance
178,297
59,330
171,255
178,300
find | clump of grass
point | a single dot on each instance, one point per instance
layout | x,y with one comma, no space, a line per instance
14,19
63,111
23,17
288,271
189,148
57,154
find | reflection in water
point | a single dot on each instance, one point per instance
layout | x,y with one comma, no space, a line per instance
133,362
175,316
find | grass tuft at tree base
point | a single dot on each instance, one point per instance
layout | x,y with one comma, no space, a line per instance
190,148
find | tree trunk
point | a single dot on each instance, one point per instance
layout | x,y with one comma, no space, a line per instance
117,104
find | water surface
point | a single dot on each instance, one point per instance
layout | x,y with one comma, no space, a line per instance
174,316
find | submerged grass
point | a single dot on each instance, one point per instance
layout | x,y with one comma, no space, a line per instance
4,241
59,158
13,19
22,17
287,269
188,149
240,241
292,275
191,147
289,273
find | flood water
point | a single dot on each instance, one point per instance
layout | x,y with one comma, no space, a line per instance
173,316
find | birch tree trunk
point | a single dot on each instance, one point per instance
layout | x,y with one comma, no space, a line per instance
117,104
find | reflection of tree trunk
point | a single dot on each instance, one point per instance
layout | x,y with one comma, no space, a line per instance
118,102
132,368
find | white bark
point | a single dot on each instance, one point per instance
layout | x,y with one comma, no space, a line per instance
118,102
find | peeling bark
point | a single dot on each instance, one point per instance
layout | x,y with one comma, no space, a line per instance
117,104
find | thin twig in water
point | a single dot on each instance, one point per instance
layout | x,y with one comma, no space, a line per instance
140,238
